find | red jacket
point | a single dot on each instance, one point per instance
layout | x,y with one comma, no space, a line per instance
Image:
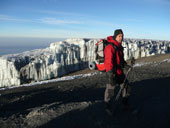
114,60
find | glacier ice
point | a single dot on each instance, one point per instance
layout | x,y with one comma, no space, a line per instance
66,56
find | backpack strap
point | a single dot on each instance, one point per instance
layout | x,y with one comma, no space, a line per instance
114,46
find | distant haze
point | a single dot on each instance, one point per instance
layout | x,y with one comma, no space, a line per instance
11,45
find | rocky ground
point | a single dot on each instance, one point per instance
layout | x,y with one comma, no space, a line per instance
79,103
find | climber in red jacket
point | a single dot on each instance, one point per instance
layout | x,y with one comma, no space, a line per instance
114,64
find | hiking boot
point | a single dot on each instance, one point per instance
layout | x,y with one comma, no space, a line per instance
126,106
129,108
108,109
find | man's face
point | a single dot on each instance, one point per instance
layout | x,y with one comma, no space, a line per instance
119,38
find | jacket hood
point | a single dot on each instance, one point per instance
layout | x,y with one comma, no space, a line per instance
111,40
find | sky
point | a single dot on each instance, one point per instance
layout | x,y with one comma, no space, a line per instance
142,19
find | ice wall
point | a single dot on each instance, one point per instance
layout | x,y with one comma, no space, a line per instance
143,48
56,60
66,56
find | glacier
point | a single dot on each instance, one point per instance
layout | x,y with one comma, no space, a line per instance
64,57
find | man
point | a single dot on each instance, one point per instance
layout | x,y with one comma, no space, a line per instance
114,64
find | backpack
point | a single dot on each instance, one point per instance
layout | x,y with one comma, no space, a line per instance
99,51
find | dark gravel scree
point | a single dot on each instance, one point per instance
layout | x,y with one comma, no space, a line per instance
79,103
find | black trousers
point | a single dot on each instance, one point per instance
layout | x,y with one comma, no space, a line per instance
112,81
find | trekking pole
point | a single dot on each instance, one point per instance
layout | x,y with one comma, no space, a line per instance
123,84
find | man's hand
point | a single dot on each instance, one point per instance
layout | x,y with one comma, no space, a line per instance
113,75
127,66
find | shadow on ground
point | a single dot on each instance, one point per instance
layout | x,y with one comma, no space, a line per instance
150,97
39,97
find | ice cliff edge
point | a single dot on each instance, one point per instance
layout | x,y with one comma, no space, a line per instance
65,56
56,60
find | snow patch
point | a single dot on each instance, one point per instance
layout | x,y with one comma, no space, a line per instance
65,78
141,64
166,60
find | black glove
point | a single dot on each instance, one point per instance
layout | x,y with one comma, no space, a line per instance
126,66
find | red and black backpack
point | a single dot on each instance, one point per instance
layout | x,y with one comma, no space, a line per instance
99,51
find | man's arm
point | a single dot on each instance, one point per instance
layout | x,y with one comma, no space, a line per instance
109,53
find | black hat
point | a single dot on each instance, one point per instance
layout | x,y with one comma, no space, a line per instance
117,32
